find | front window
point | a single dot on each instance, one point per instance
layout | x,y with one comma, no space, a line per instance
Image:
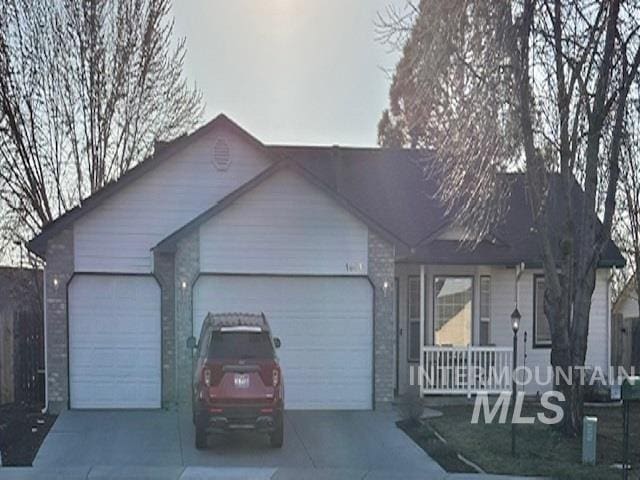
453,310
542,332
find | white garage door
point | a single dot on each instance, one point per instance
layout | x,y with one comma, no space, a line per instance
114,342
325,325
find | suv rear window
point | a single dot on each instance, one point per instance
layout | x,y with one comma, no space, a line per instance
225,345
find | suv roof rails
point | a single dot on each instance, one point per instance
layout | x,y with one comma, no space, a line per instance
237,319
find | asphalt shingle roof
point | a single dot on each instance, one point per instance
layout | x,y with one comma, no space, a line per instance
388,187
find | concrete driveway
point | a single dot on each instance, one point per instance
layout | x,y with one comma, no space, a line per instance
318,444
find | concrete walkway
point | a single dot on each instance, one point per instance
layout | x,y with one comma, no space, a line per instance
226,473
319,445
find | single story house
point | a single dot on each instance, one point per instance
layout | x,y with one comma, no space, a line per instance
346,250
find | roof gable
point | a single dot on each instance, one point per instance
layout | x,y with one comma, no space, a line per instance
163,152
170,242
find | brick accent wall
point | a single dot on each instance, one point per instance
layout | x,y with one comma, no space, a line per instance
164,270
382,269
187,268
58,273
182,269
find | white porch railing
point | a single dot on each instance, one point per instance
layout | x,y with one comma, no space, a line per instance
465,370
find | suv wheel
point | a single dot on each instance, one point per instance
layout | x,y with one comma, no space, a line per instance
276,438
201,438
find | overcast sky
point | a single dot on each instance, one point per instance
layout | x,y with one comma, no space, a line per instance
290,71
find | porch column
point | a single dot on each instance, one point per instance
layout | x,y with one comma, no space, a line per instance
422,318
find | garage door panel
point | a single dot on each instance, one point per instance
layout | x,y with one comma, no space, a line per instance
116,361
326,342
331,358
325,324
140,395
114,342
346,396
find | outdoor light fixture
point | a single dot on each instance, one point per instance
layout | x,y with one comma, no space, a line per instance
385,288
515,321
183,285
515,325
56,282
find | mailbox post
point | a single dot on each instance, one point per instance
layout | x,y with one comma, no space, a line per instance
589,434
630,392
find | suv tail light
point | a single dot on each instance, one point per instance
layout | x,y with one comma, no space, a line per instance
211,374
270,374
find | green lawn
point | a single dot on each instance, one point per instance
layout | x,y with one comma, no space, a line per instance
541,450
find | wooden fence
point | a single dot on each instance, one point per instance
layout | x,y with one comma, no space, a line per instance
29,358
22,352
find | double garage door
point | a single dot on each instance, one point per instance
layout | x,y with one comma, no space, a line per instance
325,324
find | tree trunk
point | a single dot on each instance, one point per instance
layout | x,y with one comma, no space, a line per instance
569,350
637,275
565,383
572,407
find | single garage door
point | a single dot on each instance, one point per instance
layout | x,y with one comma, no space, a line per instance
114,342
325,325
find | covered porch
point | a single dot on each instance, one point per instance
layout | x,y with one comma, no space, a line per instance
453,328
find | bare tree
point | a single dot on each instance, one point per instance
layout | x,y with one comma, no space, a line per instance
627,229
540,85
85,90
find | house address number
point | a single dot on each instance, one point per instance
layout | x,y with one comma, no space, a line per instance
355,267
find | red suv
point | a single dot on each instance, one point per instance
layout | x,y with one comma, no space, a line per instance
237,383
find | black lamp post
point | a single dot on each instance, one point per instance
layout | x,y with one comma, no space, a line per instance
515,325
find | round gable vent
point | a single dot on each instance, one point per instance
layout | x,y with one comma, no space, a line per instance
221,154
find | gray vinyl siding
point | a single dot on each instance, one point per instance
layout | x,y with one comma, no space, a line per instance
503,303
119,234
284,226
